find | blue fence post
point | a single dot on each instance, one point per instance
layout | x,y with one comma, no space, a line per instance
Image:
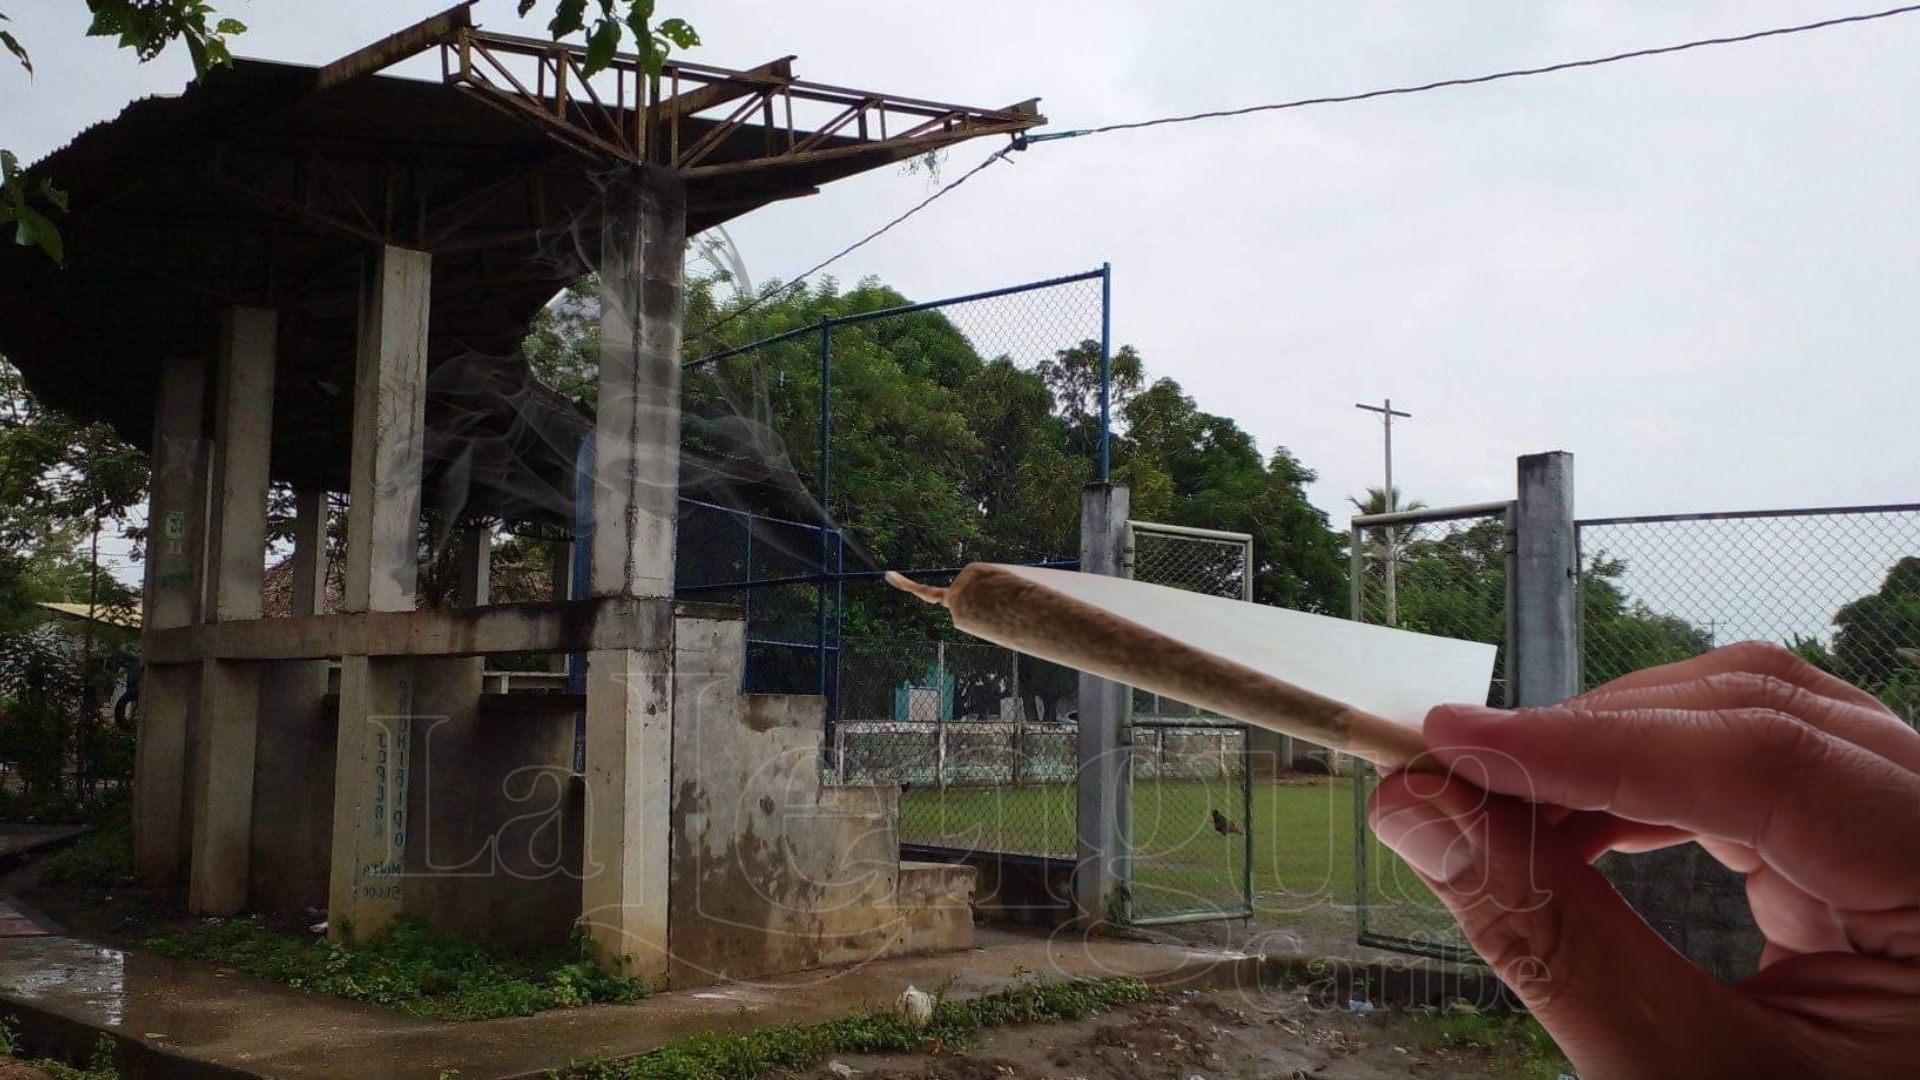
826,488
581,586
1106,368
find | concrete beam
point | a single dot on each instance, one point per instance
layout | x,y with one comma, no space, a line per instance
637,422
1100,810
473,562
1544,652
389,424
309,552
177,513
578,626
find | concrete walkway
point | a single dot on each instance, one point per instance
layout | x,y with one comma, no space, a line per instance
183,1019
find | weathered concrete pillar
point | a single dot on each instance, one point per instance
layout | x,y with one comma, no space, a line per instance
229,714
1100,811
177,520
373,745
473,558
1545,653
389,429
309,552
560,582
629,715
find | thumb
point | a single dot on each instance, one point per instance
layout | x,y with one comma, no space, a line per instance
1616,998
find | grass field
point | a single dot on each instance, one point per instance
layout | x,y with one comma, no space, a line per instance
1302,848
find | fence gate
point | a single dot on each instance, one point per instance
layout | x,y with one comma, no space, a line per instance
1439,571
1190,800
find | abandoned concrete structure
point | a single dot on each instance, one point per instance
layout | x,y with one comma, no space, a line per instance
269,275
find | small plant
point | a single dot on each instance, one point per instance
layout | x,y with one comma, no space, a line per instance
408,967
98,860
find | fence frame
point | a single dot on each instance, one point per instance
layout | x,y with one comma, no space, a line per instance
1357,556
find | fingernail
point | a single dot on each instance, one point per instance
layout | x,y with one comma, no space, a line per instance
1474,714
1428,840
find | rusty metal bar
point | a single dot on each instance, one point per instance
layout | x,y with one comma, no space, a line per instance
401,45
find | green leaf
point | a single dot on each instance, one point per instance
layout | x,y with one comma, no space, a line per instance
680,33
601,45
525,6
33,228
53,195
568,18
229,26
18,50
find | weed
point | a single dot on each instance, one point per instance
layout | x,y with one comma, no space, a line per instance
408,967
99,860
714,1056
1514,1040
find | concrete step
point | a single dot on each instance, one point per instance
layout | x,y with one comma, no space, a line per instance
935,902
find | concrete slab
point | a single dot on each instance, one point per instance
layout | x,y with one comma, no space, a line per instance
182,1019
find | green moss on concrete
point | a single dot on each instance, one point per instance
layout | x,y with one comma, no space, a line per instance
407,967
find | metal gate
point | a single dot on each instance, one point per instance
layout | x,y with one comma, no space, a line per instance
1443,571
1190,798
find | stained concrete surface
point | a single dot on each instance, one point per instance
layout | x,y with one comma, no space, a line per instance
186,1019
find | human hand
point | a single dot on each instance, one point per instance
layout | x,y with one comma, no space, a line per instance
1804,783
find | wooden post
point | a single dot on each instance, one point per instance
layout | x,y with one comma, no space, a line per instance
624,887
236,566
374,743
177,520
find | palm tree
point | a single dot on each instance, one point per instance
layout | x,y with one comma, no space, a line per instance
1391,543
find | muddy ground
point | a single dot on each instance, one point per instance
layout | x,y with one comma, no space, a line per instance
1266,1034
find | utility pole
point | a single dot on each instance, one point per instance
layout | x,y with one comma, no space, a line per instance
1388,497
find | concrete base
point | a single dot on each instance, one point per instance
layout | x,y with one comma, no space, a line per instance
773,872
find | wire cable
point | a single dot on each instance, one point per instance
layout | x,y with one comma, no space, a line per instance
998,155
1476,80
1021,142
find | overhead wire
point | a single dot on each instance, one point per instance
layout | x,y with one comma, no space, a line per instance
1023,141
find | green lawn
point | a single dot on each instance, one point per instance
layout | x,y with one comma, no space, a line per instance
1302,842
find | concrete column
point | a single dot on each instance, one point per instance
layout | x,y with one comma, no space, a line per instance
637,445
373,744
473,560
1544,655
242,443
229,706
389,425
624,891
371,775
1100,811
176,515
309,552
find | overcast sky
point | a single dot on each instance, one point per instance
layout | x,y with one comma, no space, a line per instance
1698,273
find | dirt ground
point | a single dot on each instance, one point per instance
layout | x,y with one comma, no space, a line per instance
1215,1035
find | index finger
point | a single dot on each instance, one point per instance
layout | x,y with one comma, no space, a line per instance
1756,657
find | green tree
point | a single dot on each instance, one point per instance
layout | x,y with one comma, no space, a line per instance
1877,644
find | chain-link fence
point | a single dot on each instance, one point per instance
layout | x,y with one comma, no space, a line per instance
1190,803
1442,571
980,739
824,430
1841,587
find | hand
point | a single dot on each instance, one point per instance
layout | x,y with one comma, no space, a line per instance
1804,783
